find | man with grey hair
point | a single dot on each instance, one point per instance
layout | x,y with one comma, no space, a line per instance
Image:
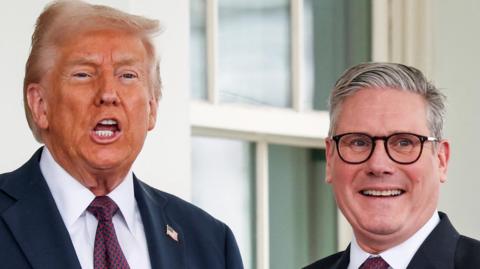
91,90
386,158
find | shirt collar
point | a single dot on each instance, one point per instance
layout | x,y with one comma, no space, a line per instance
72,198
357,255
398,256
123,195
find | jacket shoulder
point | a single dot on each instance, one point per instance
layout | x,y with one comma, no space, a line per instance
23,174
8,178
13,184
466,253
327,262
6,200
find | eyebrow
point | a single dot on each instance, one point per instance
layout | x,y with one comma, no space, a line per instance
84,60
127,61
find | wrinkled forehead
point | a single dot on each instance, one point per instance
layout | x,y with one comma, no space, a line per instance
95,48
99,38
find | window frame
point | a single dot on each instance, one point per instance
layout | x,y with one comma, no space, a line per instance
305,128
394,38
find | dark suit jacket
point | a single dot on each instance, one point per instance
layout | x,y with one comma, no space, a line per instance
32,233
444,248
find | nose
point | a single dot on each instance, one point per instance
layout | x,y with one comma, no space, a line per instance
107,93
379,164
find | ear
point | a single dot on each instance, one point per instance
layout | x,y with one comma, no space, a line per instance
329,152
152,115
36,98
443,155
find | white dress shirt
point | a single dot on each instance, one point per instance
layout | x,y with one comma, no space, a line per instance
72,200
399,256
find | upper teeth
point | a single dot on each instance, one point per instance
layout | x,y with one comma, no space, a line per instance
382,193
108,122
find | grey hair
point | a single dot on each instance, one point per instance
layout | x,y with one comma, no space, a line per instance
388,75
64,19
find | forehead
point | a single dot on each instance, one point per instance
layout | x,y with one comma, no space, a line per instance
102,45
382,111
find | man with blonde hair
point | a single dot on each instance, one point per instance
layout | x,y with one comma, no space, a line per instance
91,91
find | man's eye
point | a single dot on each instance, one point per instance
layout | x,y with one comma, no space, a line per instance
404,143
81,75
129,75
358,143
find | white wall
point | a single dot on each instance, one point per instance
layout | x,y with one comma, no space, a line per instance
16,141
165,159
456,47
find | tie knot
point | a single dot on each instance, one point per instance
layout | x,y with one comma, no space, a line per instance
374,263
103,208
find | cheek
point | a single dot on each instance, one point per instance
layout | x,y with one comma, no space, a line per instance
70,101
343,177
415,176
424,184
135,98
420,173
138,113
70,112
59,115
343,180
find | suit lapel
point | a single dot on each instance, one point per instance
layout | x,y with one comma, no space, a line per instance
339,260
438,250
164,251
344,260
35,222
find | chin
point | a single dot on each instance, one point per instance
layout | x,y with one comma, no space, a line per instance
106,161
382,229
104,166
381,225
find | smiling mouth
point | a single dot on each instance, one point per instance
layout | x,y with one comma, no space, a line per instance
382,193
106,130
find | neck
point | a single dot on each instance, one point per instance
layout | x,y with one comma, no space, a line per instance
99,180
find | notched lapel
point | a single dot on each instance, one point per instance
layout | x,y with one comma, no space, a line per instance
339,260
344,259
35,222
438,250
164,250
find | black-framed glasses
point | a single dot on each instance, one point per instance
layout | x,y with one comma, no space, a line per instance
402,148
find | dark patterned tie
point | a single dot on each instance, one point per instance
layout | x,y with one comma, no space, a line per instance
107,253
374,263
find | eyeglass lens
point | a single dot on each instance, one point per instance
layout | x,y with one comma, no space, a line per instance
358,147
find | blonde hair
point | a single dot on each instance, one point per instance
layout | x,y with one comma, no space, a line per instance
62,20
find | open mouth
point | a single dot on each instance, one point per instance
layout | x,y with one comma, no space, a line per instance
382,193
106,130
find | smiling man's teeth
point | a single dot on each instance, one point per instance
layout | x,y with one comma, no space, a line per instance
108,122
104,133
382,193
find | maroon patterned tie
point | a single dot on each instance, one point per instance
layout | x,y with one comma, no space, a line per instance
107,253
374,263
